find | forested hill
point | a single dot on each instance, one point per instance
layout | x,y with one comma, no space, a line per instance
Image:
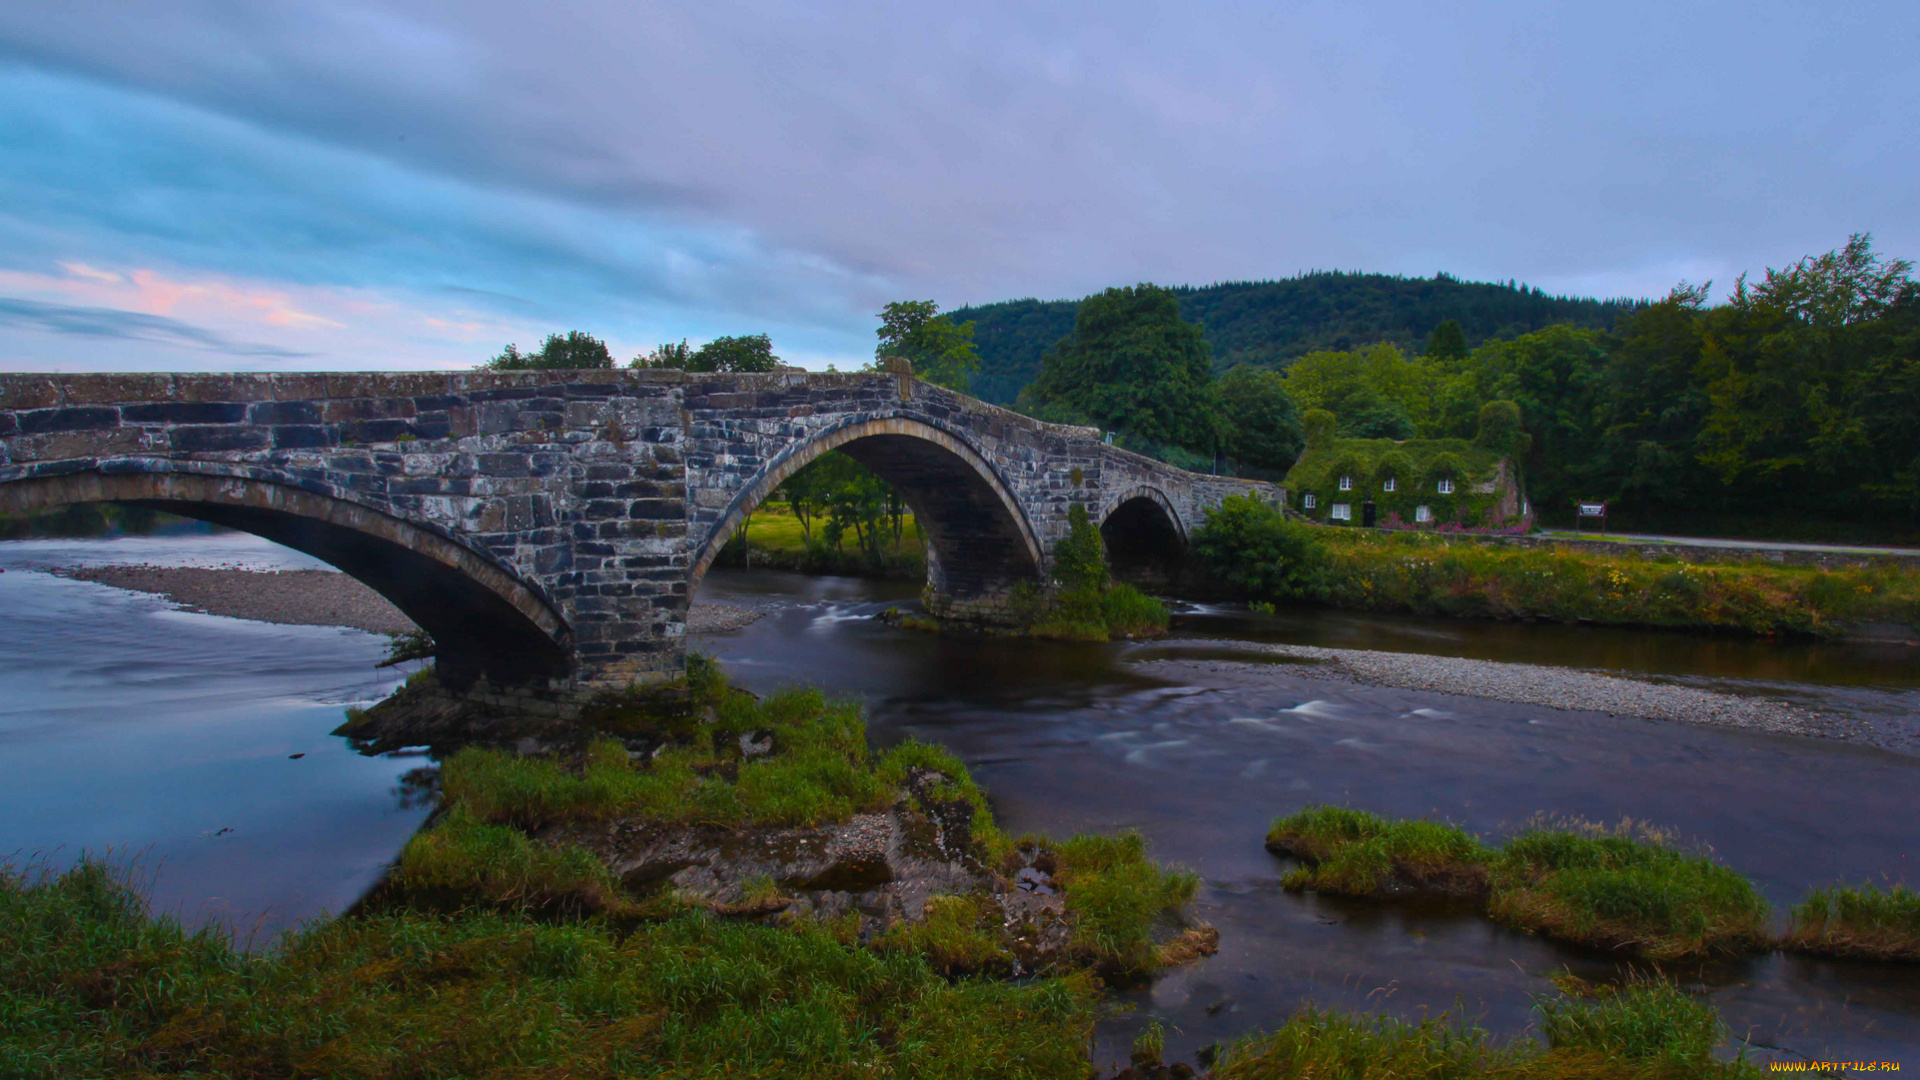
1269,323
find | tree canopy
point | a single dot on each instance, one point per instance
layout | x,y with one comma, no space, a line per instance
575,350
738,355
1133,365
941,352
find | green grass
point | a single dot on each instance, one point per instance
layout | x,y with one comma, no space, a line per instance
1115,896
1627,889
960,934
1646,1031
1866,921
775,539
1100,614
461,858
820,774
1430,575
91,986
1355,853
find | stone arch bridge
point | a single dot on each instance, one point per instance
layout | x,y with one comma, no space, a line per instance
549,528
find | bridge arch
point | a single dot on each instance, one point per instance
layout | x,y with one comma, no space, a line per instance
979,536
1144,534
484,619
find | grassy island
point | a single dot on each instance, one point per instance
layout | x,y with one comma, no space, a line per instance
1627,889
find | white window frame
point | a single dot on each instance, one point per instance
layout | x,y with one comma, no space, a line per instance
1422,514
1387,484
1446,487
1346,483
1309,501
1341,512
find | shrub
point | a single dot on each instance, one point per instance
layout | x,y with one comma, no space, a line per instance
1254,548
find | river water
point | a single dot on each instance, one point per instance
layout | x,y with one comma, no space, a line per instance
169,736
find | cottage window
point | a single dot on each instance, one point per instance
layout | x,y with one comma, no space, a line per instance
1309,500
1387,484
1422,514
1446,487
1346,483
1342,512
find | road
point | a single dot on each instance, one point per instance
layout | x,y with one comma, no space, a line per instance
1751,545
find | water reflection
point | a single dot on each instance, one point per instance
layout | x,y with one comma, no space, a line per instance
195,746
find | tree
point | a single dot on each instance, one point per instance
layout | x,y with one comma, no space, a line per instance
1447,343
1080,558
941,353
1132,364
575,351
1263,429
1376,392
667,356
735,355
1500,429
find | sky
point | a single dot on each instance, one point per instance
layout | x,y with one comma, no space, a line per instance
257,185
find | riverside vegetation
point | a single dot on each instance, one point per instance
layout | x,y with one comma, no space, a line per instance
1087,605
1629,888
520,934
844,913
1251,547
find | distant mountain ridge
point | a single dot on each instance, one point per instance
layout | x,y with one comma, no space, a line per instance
1270,323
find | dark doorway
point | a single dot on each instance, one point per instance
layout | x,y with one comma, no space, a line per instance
1367,513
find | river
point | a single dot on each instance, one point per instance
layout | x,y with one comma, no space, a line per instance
126,724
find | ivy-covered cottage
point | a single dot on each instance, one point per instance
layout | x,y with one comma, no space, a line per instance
1413,483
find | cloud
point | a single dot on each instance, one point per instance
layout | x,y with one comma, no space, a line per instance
651,171
128,325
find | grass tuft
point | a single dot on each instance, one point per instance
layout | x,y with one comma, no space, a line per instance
1115,895
1867,922
959,935
1626,888
1354,853
1646,1031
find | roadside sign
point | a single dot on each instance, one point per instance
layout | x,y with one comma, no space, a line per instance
1595,510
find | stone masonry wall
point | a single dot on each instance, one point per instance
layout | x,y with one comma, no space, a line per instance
596,491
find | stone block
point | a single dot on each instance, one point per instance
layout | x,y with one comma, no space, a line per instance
185,412
80,418
223,387
28,392
114,389
302,437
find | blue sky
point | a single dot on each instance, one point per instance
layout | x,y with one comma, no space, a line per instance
354,185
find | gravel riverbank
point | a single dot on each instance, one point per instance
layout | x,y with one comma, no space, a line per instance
311,597
1526,684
